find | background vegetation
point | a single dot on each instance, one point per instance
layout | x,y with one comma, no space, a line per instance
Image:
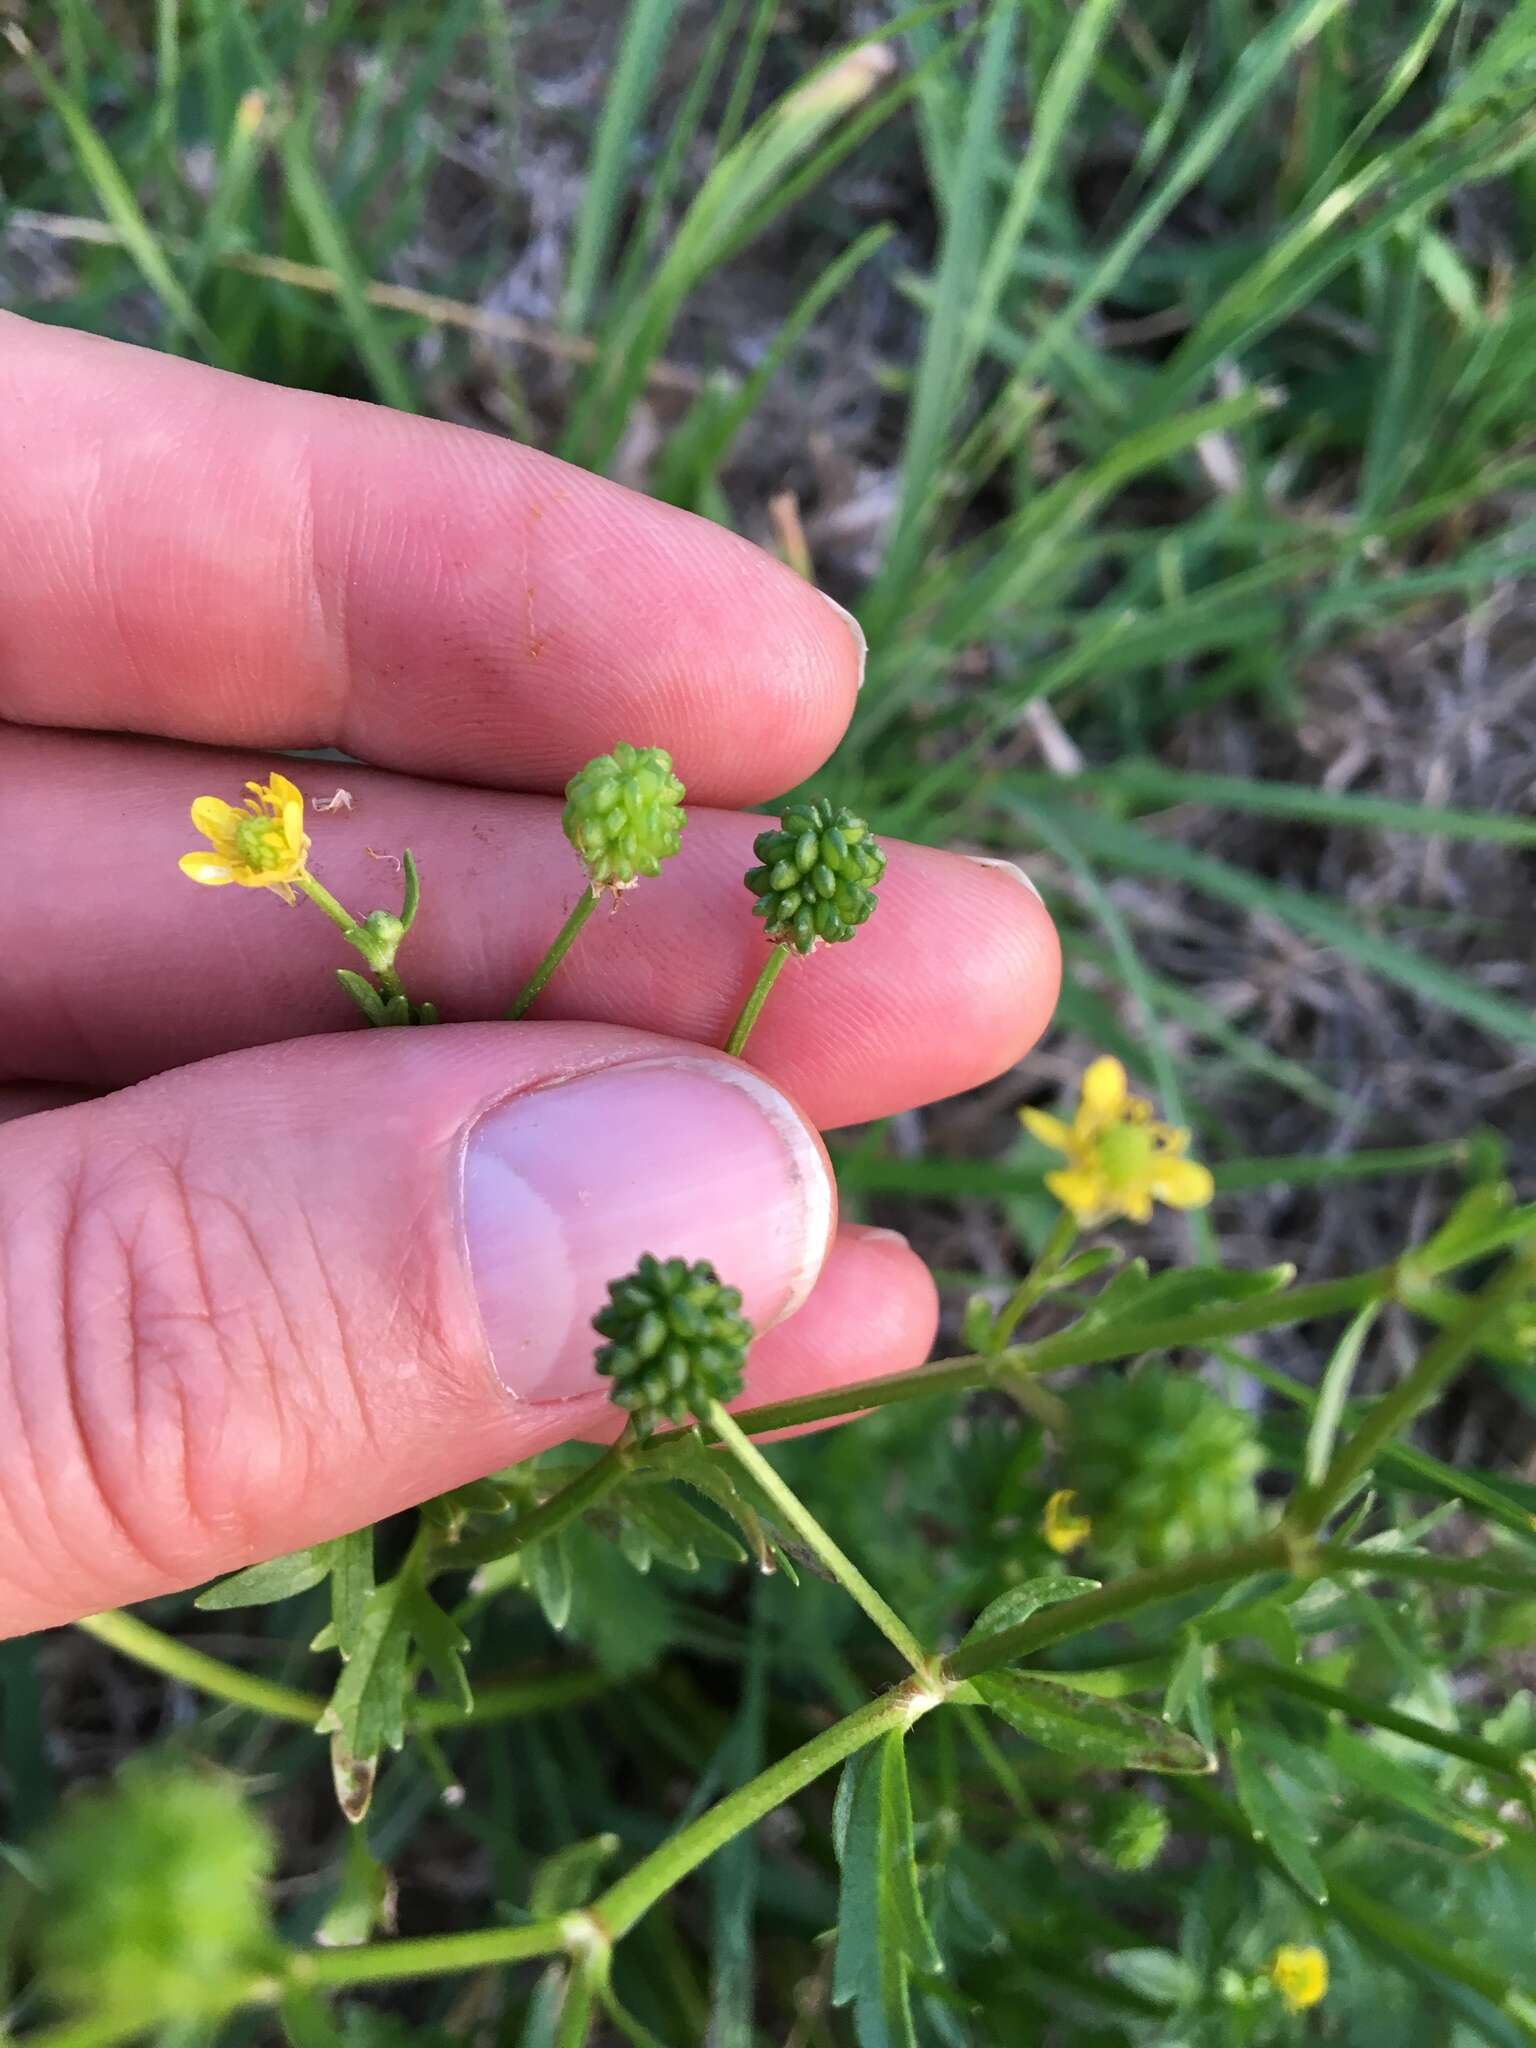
1156,381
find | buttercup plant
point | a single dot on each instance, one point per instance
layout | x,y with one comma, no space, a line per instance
1221,1651
814,887
263,845
624,816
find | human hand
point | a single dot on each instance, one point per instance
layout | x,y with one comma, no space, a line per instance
283,1283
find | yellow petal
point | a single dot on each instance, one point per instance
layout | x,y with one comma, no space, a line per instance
1079,1191
215,819
1062,1529
294,836
1050,1130
206,867
1104,1087
1183,1183
280,793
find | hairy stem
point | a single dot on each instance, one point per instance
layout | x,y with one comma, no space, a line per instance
562,943
635,1893
752,1008
1084,1347
793,1511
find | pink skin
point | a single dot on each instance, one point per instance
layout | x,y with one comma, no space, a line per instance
238,1303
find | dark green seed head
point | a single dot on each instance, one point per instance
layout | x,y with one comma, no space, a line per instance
677,1340
817,876
624,815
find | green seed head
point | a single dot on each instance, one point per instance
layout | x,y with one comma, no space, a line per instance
624,815
677,1340
1162,1464
153,1898
817,878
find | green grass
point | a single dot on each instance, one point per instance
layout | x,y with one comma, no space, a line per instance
1221,358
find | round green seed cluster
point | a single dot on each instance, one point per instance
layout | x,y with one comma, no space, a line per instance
677,1340
1164,1467
817,876
624,815
153,1897
1132,1833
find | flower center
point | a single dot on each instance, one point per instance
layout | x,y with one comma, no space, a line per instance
260,843
1125,1153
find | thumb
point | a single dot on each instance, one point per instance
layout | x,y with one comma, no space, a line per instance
258,1302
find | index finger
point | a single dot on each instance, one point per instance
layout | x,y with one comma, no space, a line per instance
192,554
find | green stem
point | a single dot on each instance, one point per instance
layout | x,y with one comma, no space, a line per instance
562,943
133,1638
617,1911
1399,1936
1036,1281
1391,1415
1427,1565
1115,1602
511,1699
591,1484
792,1510
431,1955
322,899
635,1893
355,932
1282,1678
752,1008
508,1700
1084,1347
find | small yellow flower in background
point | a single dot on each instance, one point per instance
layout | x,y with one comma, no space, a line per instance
1062,1529
1299,1973
1119,1158
263,846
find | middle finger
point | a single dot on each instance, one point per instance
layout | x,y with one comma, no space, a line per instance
114,966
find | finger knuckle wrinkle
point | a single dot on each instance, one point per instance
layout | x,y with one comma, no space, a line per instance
125,1370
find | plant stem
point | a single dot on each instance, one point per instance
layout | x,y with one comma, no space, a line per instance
354,932
562,943
752,1008
1115,1602
1084,1347
1430,1565
590,1485
431,1955
1036,1280
1282,1678
1440,1360
508,1700
793,1511
635,1893
133,1638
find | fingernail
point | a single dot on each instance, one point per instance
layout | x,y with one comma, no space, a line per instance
859,641
1009,867
566,1186
875,1233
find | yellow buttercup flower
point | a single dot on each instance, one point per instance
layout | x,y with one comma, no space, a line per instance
1062,1529
263,846
1119,1158
1299,1973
